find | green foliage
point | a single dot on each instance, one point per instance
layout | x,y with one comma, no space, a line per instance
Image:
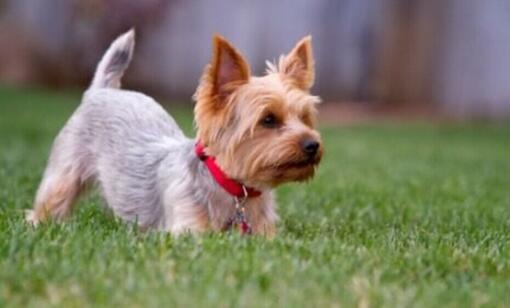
398,215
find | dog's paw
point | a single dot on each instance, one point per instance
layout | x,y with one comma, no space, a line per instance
31,218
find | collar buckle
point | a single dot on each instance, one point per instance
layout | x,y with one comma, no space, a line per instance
240,201
239,219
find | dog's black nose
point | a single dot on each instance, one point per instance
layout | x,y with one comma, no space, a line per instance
309,146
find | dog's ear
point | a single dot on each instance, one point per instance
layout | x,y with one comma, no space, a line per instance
299,64
228,68
227,71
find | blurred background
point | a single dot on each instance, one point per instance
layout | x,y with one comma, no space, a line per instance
409,58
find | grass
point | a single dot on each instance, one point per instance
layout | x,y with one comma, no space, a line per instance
398,215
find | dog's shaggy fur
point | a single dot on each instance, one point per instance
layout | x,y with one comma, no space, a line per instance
260,129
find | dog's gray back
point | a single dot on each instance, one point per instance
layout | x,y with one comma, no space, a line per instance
127,136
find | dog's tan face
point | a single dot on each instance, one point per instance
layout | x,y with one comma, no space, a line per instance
261,129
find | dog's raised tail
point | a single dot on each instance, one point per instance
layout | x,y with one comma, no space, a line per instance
115,61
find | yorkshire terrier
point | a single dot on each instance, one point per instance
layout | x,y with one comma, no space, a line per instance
253,134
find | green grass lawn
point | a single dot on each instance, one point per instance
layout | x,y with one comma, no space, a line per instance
398,215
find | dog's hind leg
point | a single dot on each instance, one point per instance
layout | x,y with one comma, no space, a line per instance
55,196
63,180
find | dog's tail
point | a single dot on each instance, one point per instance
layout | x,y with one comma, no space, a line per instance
115,61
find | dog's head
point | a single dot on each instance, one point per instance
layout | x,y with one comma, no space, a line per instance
260,129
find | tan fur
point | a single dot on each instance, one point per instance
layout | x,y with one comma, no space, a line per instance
56,198
231,104
300,64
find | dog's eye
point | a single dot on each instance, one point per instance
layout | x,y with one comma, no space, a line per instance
269,121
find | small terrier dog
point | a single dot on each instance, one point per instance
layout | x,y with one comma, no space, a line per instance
253,133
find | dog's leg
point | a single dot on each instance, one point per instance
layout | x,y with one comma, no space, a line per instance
56,195
64,177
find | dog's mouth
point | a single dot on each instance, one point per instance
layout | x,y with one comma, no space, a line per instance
296,170
299,164
299,170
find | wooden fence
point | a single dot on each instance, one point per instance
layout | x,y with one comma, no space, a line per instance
453,53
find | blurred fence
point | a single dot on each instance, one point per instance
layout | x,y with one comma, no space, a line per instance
452,53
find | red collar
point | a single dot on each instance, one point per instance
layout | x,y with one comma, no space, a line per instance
233,187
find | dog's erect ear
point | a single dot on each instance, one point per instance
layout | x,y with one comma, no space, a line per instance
299,65
228,68
226,72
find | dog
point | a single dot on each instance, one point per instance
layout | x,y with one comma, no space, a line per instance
253,134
